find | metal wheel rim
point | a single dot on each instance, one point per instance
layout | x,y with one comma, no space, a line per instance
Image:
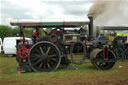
44,63
71,53
103,65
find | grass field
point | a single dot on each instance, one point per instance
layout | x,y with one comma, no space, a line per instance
86,74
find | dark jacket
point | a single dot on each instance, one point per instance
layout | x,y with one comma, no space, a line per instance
120,46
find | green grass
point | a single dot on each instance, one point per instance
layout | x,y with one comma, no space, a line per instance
8,72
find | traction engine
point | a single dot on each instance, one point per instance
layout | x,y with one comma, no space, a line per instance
49,52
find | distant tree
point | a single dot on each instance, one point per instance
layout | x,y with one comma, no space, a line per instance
48,30
42,32
5,31
14,31
28,32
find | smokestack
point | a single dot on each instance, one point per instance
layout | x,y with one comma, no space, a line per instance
97,31
90,27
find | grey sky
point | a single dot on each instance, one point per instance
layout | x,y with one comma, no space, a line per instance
39,9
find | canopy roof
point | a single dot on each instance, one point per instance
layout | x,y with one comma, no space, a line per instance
50,22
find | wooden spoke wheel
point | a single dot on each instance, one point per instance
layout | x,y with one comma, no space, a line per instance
98,60
78,53
44,57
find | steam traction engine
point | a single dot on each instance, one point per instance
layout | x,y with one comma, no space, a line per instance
47,53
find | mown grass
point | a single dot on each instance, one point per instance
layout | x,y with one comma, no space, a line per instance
8,73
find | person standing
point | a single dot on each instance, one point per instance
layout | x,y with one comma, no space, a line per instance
82,34
120,50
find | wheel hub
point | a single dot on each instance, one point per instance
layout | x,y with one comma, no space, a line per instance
44,57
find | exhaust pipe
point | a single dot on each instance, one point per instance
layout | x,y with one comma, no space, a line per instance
90,27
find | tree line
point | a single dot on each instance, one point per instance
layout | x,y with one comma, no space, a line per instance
7,31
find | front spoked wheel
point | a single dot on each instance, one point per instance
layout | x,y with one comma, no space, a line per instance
44,57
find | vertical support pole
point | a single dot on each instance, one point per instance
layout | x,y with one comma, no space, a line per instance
22,33
90,27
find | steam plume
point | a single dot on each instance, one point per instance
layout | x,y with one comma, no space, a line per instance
110,12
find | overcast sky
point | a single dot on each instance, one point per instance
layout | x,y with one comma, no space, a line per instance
39,9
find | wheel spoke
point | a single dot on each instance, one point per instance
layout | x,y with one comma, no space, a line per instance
48,65
49,48
45,65
37,55
37,62
36,51
51,63
50,56
52,51
35,58
40,64
53,59
42,51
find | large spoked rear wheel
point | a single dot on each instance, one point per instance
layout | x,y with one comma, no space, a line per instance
78,53
98,60
44,57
